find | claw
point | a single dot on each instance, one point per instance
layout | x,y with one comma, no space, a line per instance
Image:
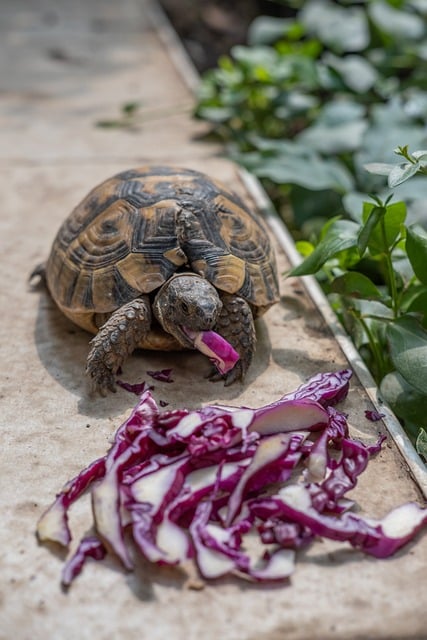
101,380
237,373
232,376
214,375
229,378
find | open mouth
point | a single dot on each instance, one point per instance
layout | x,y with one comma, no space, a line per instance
187,336
220,352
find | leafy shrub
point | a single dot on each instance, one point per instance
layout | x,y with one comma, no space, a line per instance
314,98
375,274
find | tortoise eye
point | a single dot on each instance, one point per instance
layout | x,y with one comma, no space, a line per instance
184,307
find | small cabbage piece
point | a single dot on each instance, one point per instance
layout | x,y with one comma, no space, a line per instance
217,349
326,388
164,375
201,484
373,415
53,525
90,547
137,388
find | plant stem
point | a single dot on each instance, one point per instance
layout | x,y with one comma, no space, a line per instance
376,350
390,272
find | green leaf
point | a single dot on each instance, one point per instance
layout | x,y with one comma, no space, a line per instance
342,29
389,124
334,138
393,220
379,168
355,71
408,350
312,212
421,443
353,204
342,235
341,110
324,232
420,155
304,248
374,311
309,171
407,403
268,29
402,25
415,299
356,285
375,215
416,104
418,5
298,102
253,57
215,114
416,248
419,305
416,189
402,172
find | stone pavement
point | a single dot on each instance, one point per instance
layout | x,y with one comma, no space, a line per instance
64,66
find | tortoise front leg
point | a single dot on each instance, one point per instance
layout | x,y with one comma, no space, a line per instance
236,325
115,341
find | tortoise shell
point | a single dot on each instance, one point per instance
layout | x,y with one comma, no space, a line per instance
121,242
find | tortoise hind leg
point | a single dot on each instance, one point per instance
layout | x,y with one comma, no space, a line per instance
38,275
236,324
115,341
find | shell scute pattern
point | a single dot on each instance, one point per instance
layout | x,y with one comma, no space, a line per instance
122,241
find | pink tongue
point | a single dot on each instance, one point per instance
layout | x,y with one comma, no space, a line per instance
216,348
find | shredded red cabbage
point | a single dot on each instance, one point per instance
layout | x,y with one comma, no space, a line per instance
326,388
374,415
220,352
90,547
195,484
137,388
164,375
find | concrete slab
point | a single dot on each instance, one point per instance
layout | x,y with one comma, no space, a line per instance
63,67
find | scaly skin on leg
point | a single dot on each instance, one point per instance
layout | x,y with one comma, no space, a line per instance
115,341
236,324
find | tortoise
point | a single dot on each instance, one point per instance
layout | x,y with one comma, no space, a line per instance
151,256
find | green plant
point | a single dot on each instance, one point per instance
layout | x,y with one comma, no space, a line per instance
374,271
133,115
314,98
399,173
128,118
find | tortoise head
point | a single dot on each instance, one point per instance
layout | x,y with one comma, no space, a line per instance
185,305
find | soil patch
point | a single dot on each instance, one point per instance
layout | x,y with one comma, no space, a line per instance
209,28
